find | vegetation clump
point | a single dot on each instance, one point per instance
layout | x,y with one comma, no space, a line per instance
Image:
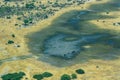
38,76
28,21
19,18
30,6
13,35
8,17
10,41
80,71
43,75
65,77
74,76
13,76
47,74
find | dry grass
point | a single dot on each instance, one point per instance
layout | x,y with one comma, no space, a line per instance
108,70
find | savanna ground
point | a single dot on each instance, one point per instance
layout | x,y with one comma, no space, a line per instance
100,61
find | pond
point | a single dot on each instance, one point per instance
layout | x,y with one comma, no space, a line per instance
67,49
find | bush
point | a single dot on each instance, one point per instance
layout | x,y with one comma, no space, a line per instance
19,18
8,17
74,76
80,71
38,77
47,74
10,42
26,21
16,24
13,76
30,6
65,77
41,76
13,35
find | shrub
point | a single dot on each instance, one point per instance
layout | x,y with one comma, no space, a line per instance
26,21
16,24
30,20
65,77
10,42
30,6
19,18
46,16
13,35
13,76
47,74
41,76
8,17
80,71
38,77
43,6
74,76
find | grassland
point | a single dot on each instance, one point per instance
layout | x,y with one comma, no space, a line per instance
25,54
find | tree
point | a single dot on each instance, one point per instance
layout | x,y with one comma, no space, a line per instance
13,35
26,21
13,76
74,76
30,6
43,75
65,77
38,76
80,71
47,74
10,41
8,17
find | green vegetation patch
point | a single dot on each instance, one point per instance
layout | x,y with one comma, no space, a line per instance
30,6
10,41
28,21
43,75
13,35
38,76
74,76
80,71
65,77
47,74
13,76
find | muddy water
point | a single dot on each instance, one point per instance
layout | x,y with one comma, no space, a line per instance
57,46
